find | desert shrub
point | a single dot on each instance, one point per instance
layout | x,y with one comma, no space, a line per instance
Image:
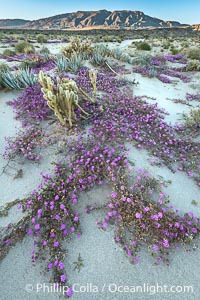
193,65
143,46
8,52
108,38
27,64
41,39
29,50
96,39
45,51
185,45
166,45
193,53
3,67
24,47
1,36
193,118
174,51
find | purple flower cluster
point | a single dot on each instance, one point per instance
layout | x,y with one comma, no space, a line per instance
164,78
25,144
151,222
176,58
191,97
20,57
105,82
174,73
159,63
30,105
137,205
53,219
44,66
158,60
135,120
142,70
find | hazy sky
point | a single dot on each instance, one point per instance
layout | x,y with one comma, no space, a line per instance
185,11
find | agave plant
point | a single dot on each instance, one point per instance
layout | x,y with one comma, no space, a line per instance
61,63
98,59
120,55
102,50
126,58
143,60
75,62
117,53
19,79
9,80
26,77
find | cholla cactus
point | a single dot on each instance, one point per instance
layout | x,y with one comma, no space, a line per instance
62,98
93,78
77,46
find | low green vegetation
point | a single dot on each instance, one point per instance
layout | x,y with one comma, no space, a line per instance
143,46
24,48
41,39
8,52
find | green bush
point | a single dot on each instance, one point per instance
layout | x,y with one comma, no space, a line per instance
29,49
166,45
193,118
3,67
194,53
44,51
24,47
174,51
8,52
193,65
143,46
27,64
41,39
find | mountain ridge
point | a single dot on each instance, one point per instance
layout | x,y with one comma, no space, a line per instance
126,19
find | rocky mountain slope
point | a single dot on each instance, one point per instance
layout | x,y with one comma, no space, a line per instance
196,27
93,19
